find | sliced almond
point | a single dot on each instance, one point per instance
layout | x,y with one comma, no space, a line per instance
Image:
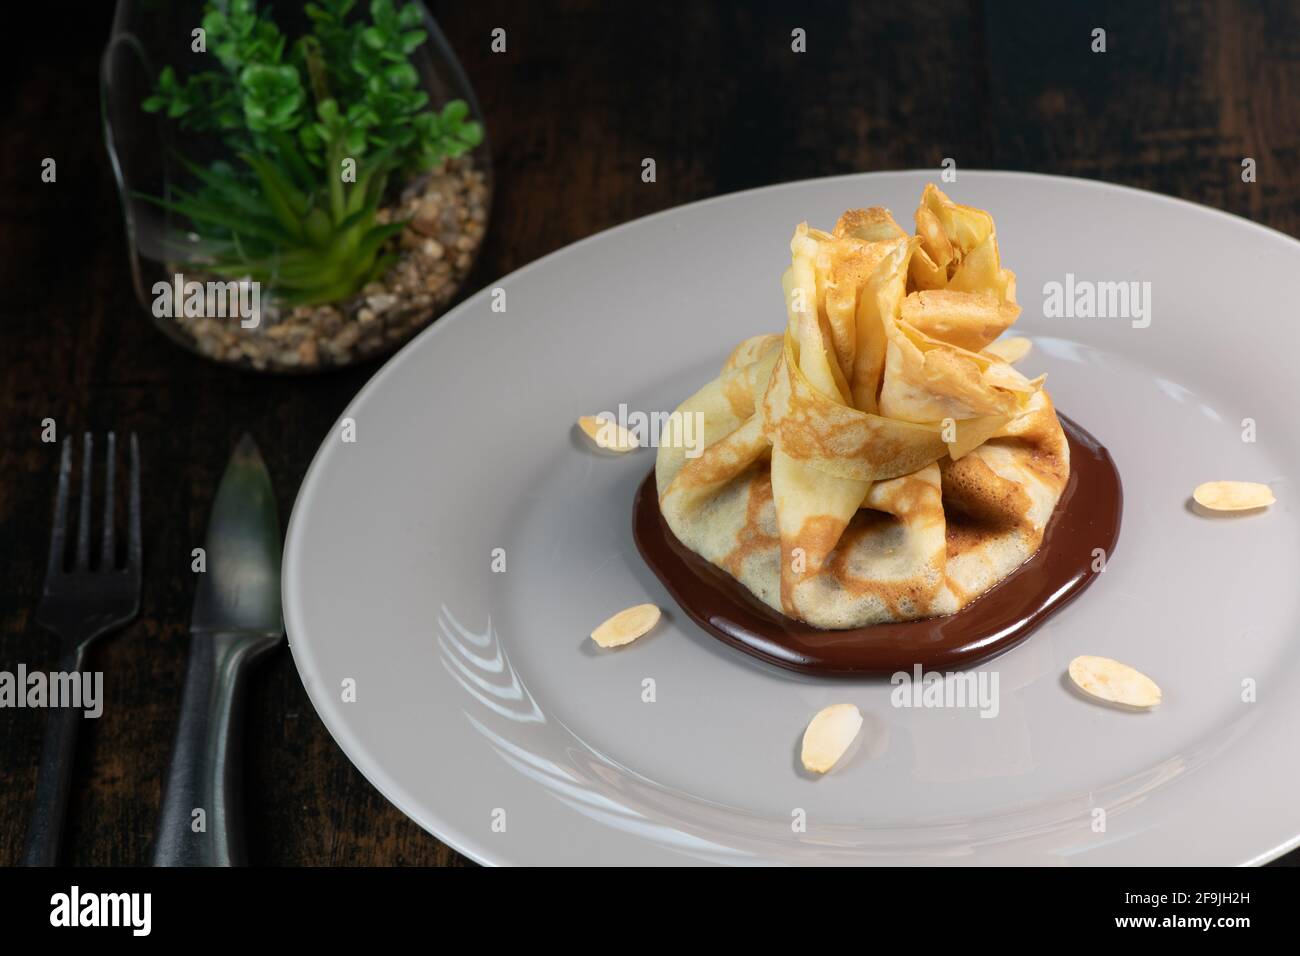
1233,495
607,434
626,626
1009,350
1110,680
828,735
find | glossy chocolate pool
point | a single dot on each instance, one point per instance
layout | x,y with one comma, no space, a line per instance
1087,517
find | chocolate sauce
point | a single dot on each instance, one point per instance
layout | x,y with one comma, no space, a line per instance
1086,517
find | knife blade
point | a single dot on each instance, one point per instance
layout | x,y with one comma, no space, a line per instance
240,591
237,618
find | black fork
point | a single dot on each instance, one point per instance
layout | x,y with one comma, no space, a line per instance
79,605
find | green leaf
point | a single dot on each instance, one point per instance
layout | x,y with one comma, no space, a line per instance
286,202
471,134
311,141
201,213
454,111
227,188
375,237
273,97
295,163
328,111
317,227
382,12
401,76
409,16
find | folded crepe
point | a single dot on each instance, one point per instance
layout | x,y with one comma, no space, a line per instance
872,463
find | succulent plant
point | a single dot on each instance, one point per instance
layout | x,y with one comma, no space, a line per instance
315,130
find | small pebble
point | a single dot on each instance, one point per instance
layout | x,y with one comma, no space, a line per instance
345,339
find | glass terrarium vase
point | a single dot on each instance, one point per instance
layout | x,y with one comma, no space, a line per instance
268,231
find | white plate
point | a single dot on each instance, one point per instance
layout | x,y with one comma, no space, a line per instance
483,711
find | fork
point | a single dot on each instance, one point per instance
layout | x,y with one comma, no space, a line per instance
79,605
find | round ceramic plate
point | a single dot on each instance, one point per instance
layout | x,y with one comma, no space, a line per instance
460,679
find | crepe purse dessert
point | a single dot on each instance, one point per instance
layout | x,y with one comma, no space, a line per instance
872,464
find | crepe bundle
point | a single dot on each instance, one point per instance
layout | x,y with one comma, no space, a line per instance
872,463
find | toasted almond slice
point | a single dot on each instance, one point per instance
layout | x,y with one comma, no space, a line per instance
828,735
1010,350
1233,495
608,434
1110,680
626,626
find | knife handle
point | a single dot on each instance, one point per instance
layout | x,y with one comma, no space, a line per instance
206,767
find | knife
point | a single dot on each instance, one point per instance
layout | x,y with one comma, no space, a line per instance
237,619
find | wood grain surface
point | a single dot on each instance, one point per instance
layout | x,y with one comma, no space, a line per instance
583,93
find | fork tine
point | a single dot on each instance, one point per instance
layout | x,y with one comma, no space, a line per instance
83,516
109,544
133,555
59,534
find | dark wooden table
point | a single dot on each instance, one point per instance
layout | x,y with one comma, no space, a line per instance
583,93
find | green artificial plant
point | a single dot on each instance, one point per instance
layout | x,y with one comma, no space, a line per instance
315,129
